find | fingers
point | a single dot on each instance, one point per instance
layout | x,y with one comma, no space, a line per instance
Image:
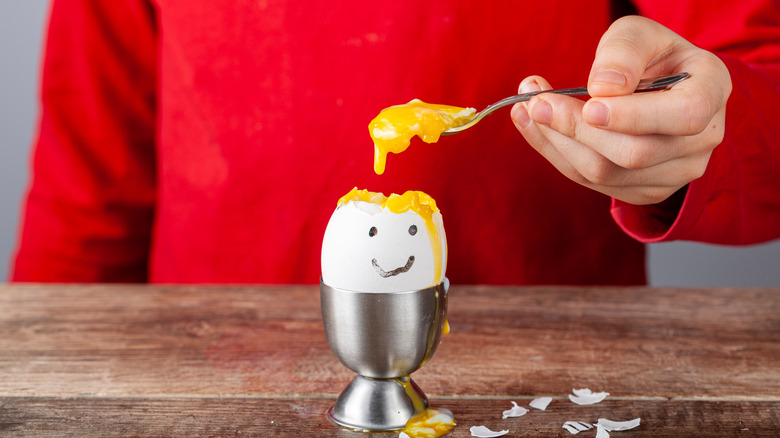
626,50
519,112
584,165
675,112
689,108
640,169
595,169
564,116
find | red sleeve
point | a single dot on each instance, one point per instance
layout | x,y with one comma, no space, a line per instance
89,209
737,201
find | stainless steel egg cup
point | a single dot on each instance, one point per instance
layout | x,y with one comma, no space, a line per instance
383,337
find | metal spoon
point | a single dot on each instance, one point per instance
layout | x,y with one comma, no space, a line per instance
648,84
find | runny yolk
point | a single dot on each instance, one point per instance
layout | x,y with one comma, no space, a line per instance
418,202
431,422
394,127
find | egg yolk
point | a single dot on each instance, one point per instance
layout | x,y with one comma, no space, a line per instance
431,422
416,201
394,127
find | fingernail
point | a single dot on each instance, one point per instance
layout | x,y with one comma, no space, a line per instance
610,77
520,115
541,112
529,87
596,113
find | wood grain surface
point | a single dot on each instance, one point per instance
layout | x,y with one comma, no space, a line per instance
304,417
121,360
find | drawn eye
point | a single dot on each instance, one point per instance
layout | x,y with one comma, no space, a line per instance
372,232
413,230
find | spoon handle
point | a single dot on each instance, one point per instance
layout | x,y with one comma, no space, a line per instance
647,84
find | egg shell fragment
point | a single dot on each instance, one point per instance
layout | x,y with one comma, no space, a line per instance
484,432
618,425
586,397
515,411
575,427
540,403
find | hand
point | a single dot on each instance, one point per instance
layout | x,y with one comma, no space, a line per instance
639,148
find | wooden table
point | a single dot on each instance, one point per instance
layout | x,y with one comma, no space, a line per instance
102,360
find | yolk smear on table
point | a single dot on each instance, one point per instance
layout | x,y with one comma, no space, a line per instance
432,423
429,423
416,201
394,127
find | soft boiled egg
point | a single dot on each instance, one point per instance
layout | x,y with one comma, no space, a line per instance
394,127
375,243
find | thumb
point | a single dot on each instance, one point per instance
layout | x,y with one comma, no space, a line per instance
627,50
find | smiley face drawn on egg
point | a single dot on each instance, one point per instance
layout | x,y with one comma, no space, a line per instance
400,270
368,248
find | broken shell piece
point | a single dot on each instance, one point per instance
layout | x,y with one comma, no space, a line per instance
516,411
484,432
610,425
575,427
403,435
540,403
586,397
601,432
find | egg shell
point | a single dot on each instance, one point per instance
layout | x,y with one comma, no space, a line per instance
349,249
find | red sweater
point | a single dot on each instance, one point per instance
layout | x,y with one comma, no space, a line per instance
186,142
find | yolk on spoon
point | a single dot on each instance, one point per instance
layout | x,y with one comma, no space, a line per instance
394,127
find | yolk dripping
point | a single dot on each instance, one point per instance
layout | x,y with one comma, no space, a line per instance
394,127
418,202
431,422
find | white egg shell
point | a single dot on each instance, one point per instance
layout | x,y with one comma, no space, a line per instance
353,259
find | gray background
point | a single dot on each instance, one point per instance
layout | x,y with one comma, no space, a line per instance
21,31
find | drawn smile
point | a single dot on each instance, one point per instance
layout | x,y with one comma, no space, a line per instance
394,272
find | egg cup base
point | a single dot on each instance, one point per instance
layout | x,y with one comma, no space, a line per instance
377,405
